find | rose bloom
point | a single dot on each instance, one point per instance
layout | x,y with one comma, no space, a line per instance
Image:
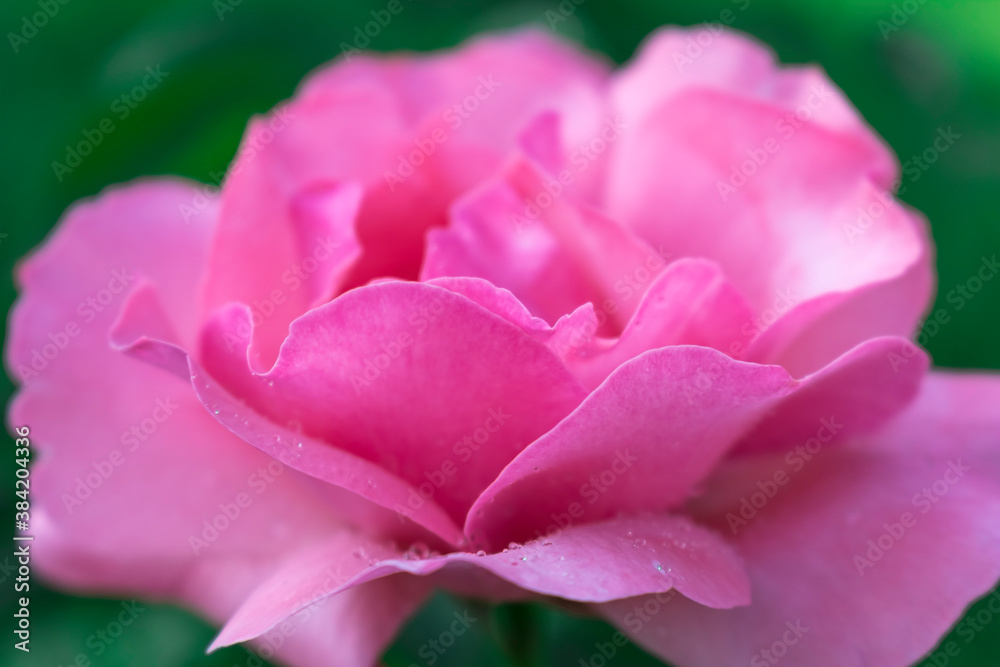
505,322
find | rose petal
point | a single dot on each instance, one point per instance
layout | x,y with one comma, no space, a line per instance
414,378
689,303
525,233
680,409
781,235
595,562
807,549
673,60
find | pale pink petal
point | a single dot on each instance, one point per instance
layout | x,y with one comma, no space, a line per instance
673,60
711,174
132,472
825,593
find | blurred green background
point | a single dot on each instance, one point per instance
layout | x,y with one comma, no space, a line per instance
228,59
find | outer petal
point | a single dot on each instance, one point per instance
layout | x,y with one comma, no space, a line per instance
118,438
868,555
856,394
137,490
592,562
672,60
774,198
660,423
417,379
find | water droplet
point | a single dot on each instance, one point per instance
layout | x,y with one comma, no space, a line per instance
417,551
480,553
513,546
658,565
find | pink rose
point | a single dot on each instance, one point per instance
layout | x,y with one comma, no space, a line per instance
506,322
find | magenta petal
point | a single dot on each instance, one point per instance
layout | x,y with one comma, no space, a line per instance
421,381
856,393
279,249
587,563
682,409
570,333
689,303
323,461
525,233
814,554
677,409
